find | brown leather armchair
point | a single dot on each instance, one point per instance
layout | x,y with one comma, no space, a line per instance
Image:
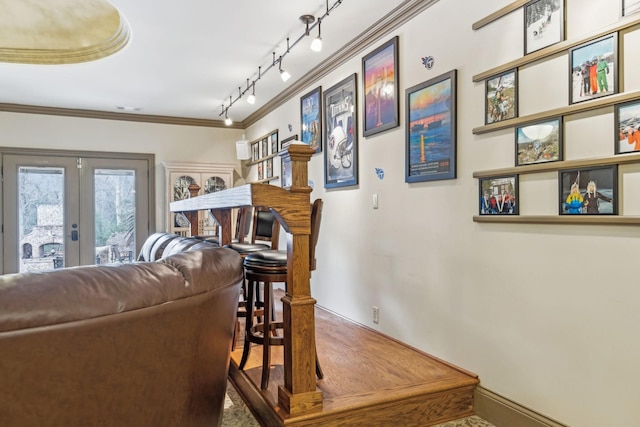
141,344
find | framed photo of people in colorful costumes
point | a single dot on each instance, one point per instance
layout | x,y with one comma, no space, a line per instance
593,69
588,191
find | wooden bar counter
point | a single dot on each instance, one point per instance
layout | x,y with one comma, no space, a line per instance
291,206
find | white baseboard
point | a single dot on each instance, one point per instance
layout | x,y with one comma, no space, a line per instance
502,412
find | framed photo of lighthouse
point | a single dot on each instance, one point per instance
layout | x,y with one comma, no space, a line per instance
381,86
431,129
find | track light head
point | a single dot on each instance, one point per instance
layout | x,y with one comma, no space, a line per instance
283,74
316,44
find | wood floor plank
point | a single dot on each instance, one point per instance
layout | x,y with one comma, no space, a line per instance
370,379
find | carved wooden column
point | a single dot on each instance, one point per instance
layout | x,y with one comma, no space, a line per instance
299,393
192,216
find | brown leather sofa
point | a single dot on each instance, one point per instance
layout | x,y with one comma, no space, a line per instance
140,344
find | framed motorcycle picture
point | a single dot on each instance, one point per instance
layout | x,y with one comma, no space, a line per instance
341,134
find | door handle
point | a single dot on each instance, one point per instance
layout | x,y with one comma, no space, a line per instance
74,235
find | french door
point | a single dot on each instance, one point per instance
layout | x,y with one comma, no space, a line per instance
62,211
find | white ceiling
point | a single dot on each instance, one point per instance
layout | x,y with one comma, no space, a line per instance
186,59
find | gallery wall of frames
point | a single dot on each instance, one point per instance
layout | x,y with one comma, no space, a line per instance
588,189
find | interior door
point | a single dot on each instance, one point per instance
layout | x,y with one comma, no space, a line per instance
68,211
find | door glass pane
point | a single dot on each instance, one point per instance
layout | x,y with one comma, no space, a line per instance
115,213
40,218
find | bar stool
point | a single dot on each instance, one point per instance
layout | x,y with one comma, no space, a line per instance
268,267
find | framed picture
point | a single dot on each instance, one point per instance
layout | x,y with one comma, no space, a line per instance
501,97
260,171
269,167
629,7
287,141
627,127
311,118
499,195
431,129
543,23
539,142
381,86
341,134
264,151
592,69
255,151
589,191
274,143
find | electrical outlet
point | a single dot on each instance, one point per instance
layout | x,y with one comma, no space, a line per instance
376,314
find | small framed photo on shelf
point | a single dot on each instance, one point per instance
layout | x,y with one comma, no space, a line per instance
274,143
341,134
381,86
627,127
264,151
269,167
629,7
287,141
589,191
543,23
593,67
499,195
430,147
255,151
260,171
539,142
501,97
311,119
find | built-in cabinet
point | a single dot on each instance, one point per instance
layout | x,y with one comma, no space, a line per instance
210,177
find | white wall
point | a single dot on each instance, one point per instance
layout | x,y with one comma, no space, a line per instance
546,315
167,142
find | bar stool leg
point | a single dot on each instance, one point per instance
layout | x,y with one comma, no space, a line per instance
266,331
248,323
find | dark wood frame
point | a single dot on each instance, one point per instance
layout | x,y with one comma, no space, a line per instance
485,207
340,106
418,167
573,73
618,130
561,36
378,65
567,177
311,118
519,130
273,143
489,82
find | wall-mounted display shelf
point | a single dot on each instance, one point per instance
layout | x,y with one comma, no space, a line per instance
265,180
261,159
559,219
561,47
593,104
499,14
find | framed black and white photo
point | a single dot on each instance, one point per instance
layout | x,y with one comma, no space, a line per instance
593,69
501,97
341,134
381,86
543,23
430,147
627,127
539,142
589,191
499,195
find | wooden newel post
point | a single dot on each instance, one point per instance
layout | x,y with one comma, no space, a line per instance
299,393
192,216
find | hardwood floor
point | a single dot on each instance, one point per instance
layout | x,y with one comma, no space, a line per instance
369,380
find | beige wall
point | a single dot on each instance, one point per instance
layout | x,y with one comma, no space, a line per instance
546,315
167,142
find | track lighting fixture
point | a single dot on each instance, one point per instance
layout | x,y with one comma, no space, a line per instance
316,44
283,73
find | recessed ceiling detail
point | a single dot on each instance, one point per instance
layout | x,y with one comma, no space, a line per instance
60,32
